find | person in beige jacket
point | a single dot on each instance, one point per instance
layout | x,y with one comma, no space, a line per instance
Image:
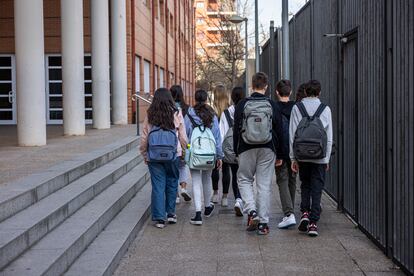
163,119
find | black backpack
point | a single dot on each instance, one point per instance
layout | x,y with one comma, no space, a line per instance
311,140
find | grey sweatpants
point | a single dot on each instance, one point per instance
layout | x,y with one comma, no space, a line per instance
286,180
257,163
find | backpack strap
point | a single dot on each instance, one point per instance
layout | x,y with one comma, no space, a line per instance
228,118
193,122
319,111
302,109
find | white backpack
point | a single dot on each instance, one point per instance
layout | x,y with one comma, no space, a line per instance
202,147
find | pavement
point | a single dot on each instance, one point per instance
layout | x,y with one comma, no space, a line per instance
17,162
221,246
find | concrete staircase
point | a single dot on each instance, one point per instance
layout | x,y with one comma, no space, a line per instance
78,217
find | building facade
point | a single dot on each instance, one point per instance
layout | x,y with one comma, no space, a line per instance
77,62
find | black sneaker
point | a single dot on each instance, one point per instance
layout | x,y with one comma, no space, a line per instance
304,222
262,229
172,219
160,224
313,230
252,221
209,210
197,220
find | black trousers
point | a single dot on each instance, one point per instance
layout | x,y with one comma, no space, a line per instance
312,177
227,169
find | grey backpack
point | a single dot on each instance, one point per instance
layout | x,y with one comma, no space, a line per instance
257,121
311,140
228,150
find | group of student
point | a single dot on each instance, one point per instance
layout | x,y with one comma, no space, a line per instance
248,141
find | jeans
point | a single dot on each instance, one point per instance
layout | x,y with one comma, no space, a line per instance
201,181
164,181
226,169
259,163
286,180
313,180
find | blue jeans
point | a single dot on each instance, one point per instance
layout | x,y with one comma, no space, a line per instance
164,180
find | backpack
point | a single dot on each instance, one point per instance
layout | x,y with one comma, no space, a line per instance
257,121
229,154
311,140
202,147
162,145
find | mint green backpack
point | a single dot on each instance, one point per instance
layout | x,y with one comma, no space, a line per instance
202,148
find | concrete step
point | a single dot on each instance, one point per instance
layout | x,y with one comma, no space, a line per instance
20,194
113,242
54,253
20,232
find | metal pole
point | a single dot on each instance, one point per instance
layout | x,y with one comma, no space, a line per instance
137,113
272,59
285,40
246,60
256,34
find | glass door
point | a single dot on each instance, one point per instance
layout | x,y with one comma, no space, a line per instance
7,90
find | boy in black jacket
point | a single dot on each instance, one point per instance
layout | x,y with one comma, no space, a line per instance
257,160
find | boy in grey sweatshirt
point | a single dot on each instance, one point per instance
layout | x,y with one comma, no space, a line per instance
311,172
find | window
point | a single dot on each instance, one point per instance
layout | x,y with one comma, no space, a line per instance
200,5
147,66
162,84
162,13
147,3
7,88
157,9
200,35
156,77
172,78
137,74
200,21
171,24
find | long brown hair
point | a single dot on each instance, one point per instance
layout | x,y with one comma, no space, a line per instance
221,99
202,110
162,109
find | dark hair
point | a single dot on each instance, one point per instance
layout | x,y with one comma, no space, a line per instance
313,88
260,81
300,93
201,108
284,88
161,111
178,96
237,94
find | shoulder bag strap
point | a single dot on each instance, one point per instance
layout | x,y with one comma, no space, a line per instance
228,118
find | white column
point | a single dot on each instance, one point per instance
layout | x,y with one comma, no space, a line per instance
72,67
100,64
30,72
119,63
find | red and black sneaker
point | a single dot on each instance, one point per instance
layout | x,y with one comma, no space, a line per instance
304,222
252,221
313,230
262,229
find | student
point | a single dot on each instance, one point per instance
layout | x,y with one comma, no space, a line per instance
162,126
257,132
220,103
286,178
202,115
311,164
300,93
178,96
227,122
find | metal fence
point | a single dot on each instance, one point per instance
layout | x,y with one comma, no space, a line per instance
367,76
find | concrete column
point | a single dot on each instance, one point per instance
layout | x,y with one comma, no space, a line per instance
100,64
119,63
30,72
72,67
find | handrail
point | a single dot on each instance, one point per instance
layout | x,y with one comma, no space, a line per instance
136,95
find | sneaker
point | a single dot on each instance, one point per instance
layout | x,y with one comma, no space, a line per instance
262,229
224,202
238,207
252,221
177,200
287,222
172,219
304,222
160,224
313,230
209,210
215,198
185,195
197,220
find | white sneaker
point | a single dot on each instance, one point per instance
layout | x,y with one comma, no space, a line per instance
238,207
287,222
224,202
177,200
185,195
215,198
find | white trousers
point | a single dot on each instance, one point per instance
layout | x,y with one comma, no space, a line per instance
201,180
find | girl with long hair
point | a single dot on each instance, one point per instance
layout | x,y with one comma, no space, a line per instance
203,115
178,96
163,115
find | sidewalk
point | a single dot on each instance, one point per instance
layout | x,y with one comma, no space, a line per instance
221,246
